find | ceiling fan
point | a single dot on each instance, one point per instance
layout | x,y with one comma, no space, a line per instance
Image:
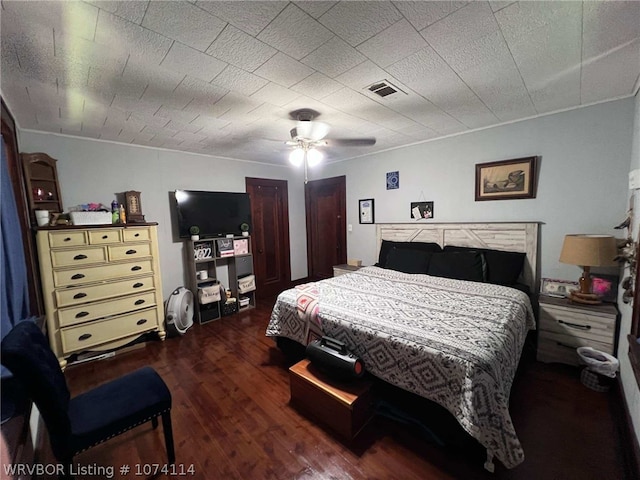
308,135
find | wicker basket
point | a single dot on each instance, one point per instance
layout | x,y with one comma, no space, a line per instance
595,381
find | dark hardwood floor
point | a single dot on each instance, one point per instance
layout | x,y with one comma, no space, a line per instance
232,419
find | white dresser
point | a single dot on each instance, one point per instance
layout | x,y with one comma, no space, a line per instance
101,286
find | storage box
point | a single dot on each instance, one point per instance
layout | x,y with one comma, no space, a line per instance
241,246
247,284
90,218
209,293
244,301
228,308
345,407
225,247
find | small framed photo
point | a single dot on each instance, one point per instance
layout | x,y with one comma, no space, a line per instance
366,211
421,210
393,180
506,179
606,286
557,288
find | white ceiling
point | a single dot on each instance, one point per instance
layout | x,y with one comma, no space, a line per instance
220,78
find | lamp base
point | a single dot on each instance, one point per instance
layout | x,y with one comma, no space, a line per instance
584,298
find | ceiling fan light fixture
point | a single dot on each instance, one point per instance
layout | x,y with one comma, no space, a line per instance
314,157
296,157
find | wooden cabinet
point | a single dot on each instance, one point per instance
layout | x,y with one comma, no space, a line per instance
101,285
204,258
565,326
41,177
344,268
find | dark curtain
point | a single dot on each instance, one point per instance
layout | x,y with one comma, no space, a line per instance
15,293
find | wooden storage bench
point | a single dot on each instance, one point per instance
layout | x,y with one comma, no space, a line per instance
345,407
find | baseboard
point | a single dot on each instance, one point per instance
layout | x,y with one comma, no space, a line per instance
631,455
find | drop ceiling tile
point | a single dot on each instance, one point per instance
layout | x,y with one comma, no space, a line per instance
125,36
193,62
232,105
597,82
284,70
363,75
392,44
609,25
72,18
183,126
334,57
498,5
131,10
317,86
189,136
238,80
183,22
251,17
241,50
106,82
32,49
356,22
421,14
295,33
348,101
315,8
428,75
275,94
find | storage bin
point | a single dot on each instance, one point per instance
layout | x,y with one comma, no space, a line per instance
209,293
90,218
229,308
247,284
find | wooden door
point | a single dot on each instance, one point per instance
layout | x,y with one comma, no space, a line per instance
325,202
270,235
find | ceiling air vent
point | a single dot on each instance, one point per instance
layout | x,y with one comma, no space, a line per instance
383,88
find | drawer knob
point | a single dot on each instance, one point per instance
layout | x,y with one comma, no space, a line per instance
79,295
131,252
137,235
77,276
81,314
575,325
139,302
80,257
84,336
104,237
142,321
136,268
138,285
67,239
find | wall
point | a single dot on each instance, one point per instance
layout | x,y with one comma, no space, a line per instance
582,188
629,384
94,171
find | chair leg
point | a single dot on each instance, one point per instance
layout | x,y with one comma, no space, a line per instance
168,437
154,422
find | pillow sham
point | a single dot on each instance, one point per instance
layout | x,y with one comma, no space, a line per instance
459,265
408,261
387,245
503,268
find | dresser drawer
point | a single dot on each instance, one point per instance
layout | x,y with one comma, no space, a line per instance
85,336
556,347
92,311
79,256
136,234
78,295
125,252
574,323
99,237
80,276
67,238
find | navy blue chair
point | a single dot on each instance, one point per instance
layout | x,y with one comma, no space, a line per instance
79,423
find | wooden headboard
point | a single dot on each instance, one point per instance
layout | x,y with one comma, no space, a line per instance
512,237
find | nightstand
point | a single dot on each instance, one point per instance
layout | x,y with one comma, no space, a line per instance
565,326
344,268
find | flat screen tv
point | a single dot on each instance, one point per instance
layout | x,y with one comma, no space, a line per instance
215,213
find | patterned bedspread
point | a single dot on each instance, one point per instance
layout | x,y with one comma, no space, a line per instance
454,342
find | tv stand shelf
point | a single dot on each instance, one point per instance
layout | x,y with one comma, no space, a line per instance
204,257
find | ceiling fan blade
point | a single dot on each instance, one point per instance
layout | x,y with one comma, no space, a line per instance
351,142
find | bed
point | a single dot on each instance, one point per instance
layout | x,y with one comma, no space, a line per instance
454,341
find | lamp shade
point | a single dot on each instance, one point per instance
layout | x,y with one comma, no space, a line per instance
296,157
589,250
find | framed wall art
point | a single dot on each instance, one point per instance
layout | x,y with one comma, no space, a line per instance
421,210
506,179
366,211
393,180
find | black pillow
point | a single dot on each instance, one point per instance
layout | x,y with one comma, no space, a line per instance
457,265
387,245
503,268
408,261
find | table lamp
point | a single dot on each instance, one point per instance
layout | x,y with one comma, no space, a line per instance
588,251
